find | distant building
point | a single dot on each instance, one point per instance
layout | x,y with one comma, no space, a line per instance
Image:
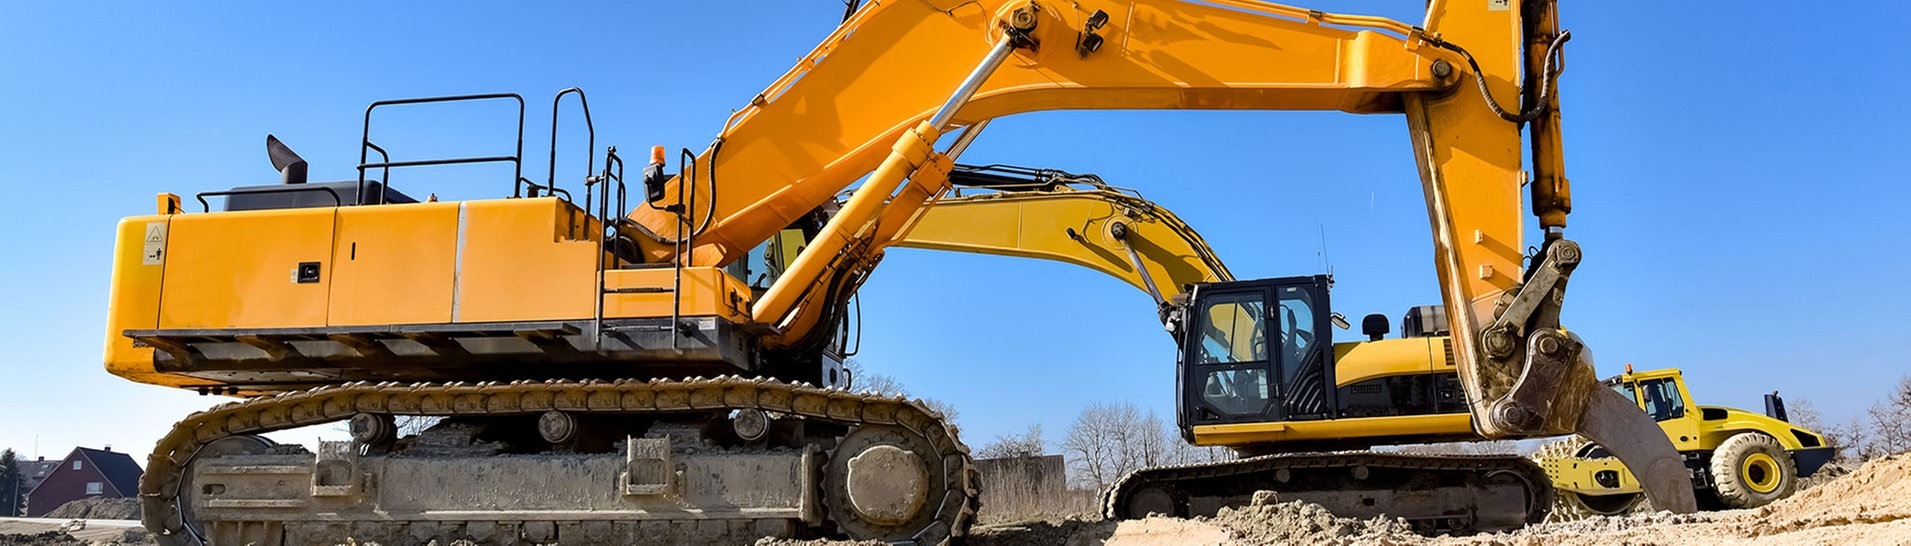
31,474
35,472
83,473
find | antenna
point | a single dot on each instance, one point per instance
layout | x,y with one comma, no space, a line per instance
1325,262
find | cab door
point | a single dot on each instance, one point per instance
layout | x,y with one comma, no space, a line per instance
1662,399
1258,351
1227,370
1304,364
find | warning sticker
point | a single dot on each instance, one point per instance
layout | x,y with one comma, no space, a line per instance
1499,5
155,253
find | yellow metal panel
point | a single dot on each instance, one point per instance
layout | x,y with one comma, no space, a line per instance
1361,361
1713,433
784,248
1469,161
1446,424
831,119
1036,224
707,291
237,269
394,264
1577,475
132,302
524,259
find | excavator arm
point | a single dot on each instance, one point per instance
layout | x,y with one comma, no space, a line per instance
877,97
1074,219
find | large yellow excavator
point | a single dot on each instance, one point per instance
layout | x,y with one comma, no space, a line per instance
1268,382
611,372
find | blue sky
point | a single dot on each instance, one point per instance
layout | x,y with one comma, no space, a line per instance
1737,171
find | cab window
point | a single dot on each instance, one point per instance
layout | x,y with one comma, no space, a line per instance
1625,389
1662,399
1233,330
1236,392
1296,318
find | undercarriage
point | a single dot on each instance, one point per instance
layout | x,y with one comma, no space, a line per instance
1435,493
718,460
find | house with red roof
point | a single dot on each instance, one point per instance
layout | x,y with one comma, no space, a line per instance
84,473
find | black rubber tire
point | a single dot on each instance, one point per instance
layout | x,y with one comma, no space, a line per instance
1741,464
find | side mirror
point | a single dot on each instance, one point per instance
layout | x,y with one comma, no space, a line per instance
654,177
1375,326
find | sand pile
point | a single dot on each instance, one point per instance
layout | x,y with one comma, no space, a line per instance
1871,505
49,538
1880,492
1267,521
97,508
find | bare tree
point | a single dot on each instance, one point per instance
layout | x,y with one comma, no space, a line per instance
1093,444
947,410
1891,420
1027,444
1485,447
1802,412
1110,440
863,380
1853,439
1179,451
1850,437
1150,443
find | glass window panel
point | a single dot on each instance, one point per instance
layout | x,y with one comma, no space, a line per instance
1233,331
1236,392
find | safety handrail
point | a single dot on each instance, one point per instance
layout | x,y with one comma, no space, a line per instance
613,174
516,160
288,188
590,146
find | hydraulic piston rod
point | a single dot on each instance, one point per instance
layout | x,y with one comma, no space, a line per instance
867,202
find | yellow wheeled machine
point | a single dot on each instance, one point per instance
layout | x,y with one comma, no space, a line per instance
1738,459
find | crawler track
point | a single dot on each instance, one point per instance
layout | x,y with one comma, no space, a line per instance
169,465
1444,493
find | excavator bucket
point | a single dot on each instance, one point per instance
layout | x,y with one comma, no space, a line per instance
1615,423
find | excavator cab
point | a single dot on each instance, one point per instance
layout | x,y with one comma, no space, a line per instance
1257,351
1260,372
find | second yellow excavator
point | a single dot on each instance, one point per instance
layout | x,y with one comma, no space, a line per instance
1266,381
614,373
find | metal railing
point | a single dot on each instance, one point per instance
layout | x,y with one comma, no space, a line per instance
590,145
519,182
683,244
289,188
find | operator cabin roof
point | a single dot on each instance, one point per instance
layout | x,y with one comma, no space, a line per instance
82,474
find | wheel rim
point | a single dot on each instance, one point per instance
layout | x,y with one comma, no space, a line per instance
1760,473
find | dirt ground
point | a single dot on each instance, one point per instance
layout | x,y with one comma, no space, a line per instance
1871,505
38,533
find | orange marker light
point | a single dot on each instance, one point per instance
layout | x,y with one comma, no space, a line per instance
1628,367
657,155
